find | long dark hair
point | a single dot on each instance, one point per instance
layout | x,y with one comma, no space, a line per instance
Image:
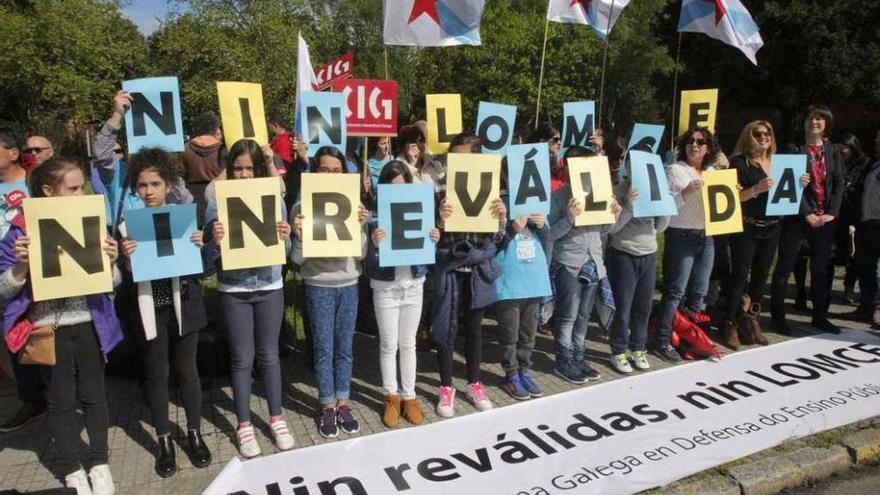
332,152
250,147
852,142
394,169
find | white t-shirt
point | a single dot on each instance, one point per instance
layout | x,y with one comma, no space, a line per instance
690,204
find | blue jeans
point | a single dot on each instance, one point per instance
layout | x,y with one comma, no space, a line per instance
332,315
574,304
688,257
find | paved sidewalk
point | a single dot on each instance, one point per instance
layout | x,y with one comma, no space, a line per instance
27,459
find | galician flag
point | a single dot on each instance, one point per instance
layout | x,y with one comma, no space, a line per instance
724,20
598,14
432,22
305,77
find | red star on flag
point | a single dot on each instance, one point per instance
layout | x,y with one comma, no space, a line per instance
584,3
424,7
720,11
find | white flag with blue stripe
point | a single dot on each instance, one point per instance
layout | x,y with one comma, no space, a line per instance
598,14
724,20
432,22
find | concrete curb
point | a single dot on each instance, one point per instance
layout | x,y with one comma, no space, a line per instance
768,472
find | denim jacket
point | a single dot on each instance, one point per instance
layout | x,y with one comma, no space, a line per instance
252,279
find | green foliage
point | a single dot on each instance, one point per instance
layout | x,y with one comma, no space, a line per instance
58,65
65,58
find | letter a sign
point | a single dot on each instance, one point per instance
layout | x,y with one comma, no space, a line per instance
372,106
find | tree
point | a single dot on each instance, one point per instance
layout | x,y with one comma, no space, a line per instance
58,65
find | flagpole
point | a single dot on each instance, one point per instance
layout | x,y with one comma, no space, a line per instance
386,61
604,62
674,94
541,77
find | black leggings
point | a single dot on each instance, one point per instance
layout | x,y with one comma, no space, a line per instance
752,252
77,377
472,321
182,349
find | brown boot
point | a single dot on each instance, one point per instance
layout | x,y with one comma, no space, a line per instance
731,335
744,322
755,314
412,412
391,417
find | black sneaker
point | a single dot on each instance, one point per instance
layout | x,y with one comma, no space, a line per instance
589,373
569,372
826,326
668,353
781,328
327,423
27,414
346,420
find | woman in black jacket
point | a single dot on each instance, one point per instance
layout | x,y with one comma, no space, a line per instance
815,224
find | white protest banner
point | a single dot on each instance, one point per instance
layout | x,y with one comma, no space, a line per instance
618,437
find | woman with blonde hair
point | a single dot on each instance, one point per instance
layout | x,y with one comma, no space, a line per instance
752,250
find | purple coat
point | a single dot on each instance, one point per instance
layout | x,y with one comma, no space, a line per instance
100,305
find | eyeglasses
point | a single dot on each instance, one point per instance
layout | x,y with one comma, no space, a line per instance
118,151
696,142
555,139
761,134
36,149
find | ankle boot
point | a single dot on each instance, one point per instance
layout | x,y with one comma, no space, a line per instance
391,416
744,322
412,412
200,456
755,314
166,465
731,335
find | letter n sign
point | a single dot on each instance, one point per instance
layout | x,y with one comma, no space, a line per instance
67,246
154,118
250,210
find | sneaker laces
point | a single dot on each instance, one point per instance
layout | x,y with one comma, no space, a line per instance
621,359
477,391
446,396
328,415
345,413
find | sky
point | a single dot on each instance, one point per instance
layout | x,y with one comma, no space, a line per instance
147,13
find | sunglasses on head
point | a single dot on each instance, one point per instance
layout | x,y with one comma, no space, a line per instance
34,150
696,141
760,134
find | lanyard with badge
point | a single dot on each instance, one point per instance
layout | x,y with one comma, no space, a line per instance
525,247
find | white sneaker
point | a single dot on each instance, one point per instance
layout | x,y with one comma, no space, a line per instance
640,360
620,363
477,394
282,436
102,480
79,481
247,442
446,404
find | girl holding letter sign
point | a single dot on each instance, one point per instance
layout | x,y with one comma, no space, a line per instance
464,274
331,302
86,330
631,259
252,304
523,283
397,299
578,271
171,312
